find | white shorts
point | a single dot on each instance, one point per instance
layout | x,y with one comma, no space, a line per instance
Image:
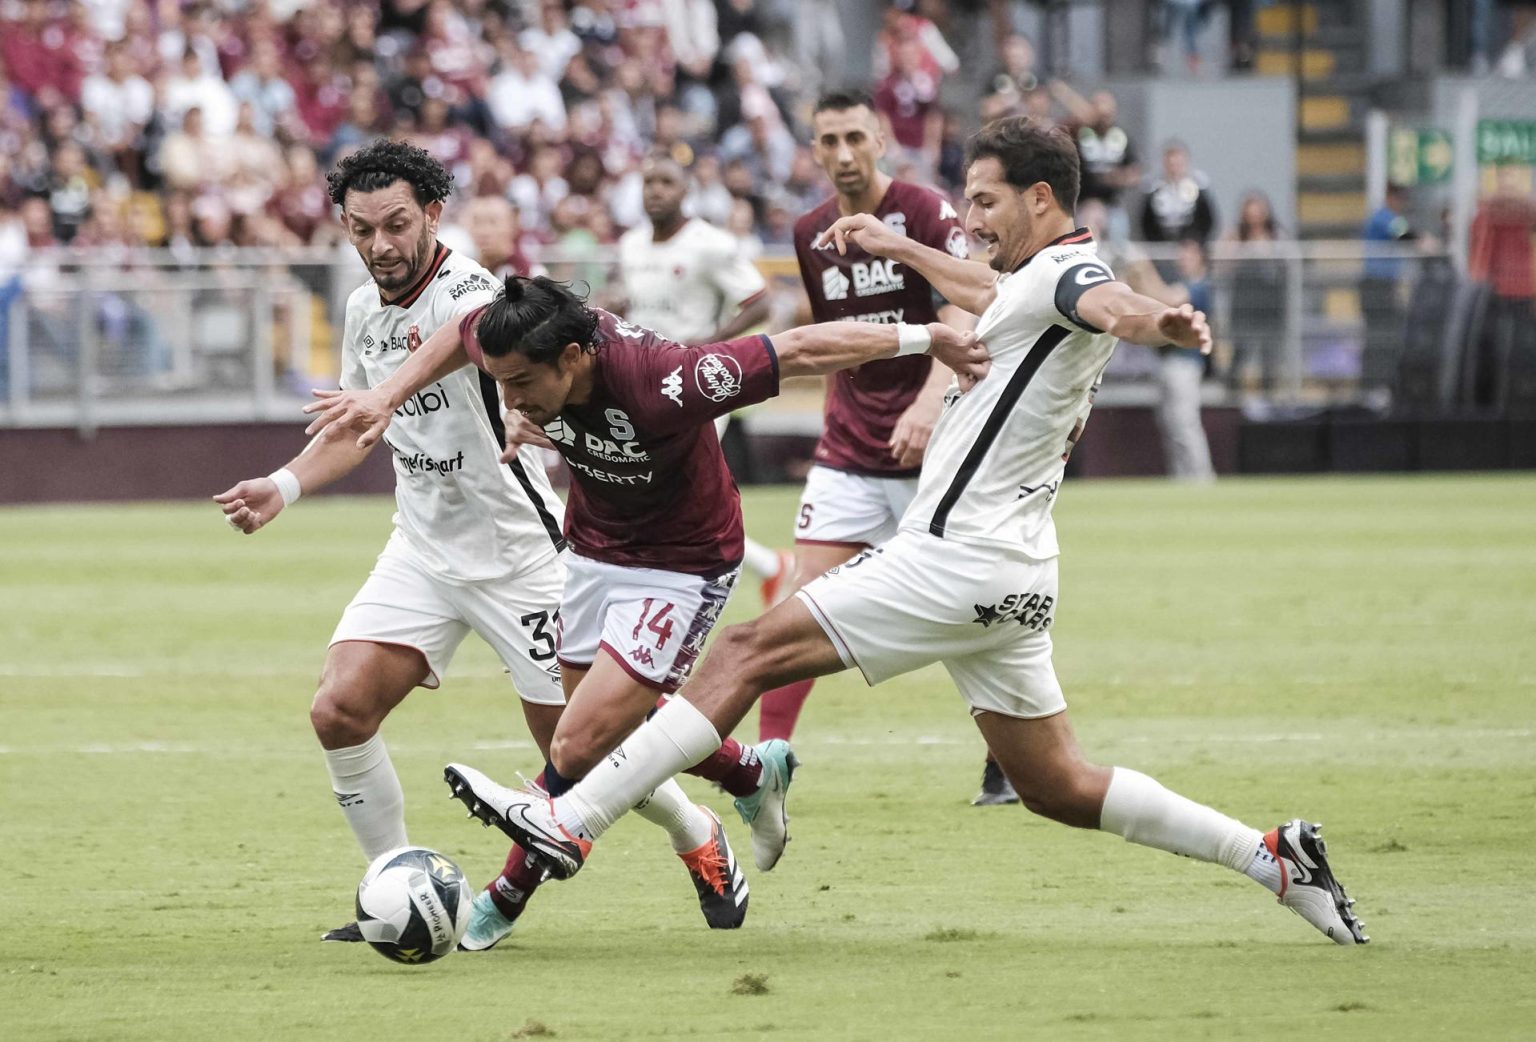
919,599
403,603
651,621
842,509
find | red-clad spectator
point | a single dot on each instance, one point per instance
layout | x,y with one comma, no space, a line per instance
39,52
908,104
301,202
456,56
446,141
320,98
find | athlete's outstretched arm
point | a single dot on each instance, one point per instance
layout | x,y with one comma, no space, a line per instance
253,503
968,284
830,346
369,410
1127,315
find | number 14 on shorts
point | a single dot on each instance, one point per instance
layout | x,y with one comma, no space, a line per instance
655,616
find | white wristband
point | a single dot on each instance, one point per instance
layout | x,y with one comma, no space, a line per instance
287,485
912,340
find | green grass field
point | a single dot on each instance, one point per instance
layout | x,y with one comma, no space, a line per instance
1358,651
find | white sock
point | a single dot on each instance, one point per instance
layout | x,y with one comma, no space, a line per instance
368,790
762,561
1264,869
1139,809
677,737
686,823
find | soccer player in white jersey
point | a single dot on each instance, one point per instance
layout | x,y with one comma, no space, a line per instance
690,282
970,578
477,542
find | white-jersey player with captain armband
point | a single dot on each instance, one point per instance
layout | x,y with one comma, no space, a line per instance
970,578
690,282
476,542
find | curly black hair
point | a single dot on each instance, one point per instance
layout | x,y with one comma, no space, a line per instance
381,163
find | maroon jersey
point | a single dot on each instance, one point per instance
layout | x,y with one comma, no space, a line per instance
864,403
649,484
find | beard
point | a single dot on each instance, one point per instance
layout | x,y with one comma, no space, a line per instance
402,276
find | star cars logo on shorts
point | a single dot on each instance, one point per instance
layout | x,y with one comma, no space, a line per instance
834,284
1032,611
672,386
718,377
956,243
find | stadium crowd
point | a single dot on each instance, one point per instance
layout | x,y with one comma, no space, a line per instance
207,123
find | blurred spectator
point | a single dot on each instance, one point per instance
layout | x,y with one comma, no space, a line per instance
551,40
193,86
39,52
540,188
190,159
119,103
1178,204
1105,151
493,226
523,92
711,199
1180,22
901,25
1017,54
1380,306
1180,370
1499,253
760,142
907,102
262,85
1258,277
69,191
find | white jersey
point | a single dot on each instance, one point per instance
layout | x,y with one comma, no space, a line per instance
686,287
462,513
996,459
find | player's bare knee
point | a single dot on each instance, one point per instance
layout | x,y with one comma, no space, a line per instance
574,755
338,720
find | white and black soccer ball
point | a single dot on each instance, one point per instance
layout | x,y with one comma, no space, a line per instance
413,905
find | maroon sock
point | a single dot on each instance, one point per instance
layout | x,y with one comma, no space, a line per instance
519,878
778,710
734,767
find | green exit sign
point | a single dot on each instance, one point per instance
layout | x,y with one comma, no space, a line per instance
1419,157
1506,141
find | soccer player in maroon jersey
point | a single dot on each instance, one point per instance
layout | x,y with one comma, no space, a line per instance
879,415
654,517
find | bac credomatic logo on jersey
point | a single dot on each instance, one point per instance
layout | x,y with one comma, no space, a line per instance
718,377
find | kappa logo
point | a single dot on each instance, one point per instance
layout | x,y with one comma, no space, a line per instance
717,377
834,284
672,386
956,243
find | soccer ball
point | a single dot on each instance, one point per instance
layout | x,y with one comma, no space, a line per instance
413,905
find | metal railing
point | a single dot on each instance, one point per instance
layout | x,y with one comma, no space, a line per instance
241,336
